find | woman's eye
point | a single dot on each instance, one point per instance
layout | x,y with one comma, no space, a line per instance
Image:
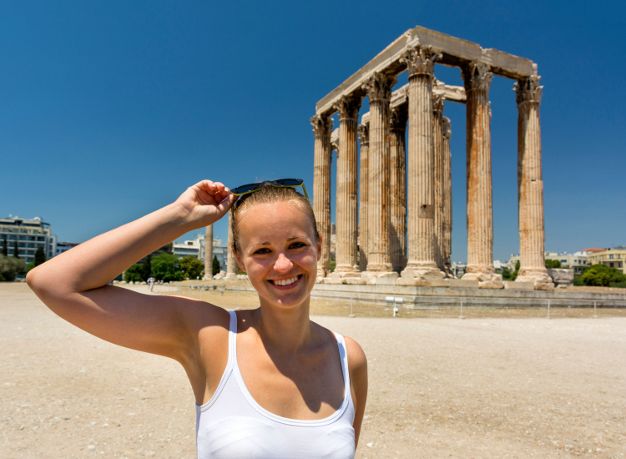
261,251
297,245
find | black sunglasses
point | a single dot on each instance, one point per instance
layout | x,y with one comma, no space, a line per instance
250,188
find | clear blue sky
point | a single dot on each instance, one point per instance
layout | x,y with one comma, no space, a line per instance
110,109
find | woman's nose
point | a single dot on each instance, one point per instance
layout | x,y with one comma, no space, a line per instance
282,263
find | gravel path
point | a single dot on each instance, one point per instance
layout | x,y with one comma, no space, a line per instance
438,388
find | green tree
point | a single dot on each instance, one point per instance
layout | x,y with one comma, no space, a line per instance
507,274
146,268
166,267
191,267
10,267
602,276
134,273
5,246
553,264
40,256
215,267
16,249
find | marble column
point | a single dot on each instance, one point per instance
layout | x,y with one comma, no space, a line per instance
438,102
421,213
378,88
477,79
530,185
208,252
346,196
322,127
231,262
397,187
447,197
363,192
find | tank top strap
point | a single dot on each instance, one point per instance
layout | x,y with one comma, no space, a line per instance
343,355
232,339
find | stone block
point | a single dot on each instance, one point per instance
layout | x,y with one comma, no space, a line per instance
462,283
514,285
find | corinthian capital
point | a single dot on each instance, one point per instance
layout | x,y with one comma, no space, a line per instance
420,61
528,90
398,117
321,125
348,107
477,77
378,87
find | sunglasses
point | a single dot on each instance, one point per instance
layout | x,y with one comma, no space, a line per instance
249,188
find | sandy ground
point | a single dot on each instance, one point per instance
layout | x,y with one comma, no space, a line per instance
439,387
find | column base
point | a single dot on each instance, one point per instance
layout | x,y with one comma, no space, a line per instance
341,273
540,278
424,272
487,278
379,277
230,276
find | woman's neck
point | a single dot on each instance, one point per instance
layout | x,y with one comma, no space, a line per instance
284,331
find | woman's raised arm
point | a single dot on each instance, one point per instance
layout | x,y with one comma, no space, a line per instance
74,284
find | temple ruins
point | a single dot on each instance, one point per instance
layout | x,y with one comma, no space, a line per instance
393,197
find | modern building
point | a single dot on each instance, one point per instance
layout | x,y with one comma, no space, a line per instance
195,248
613,258
29,234
577,261
64,247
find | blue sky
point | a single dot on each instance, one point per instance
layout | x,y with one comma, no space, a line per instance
110,109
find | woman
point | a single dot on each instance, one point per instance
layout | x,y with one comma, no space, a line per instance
268,382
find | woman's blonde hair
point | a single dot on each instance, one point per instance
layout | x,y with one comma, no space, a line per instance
266,194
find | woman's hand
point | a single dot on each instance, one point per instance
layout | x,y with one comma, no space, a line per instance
205,202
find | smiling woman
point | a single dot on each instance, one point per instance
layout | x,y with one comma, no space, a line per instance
268,382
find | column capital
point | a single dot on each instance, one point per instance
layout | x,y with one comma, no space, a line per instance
322,125
398,117
348,107
364,134
528,90
420,61
378,87
477,77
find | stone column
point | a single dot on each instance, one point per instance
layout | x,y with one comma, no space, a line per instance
438,102
447,197
397,187
530,185
378,260
208,252
477,79
346,196
421,242
231,262
322,126
363,191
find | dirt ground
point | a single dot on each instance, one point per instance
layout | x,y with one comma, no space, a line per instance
485,386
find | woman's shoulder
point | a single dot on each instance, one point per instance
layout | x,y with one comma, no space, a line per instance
356,356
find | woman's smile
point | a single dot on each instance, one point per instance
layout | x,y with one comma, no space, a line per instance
285,284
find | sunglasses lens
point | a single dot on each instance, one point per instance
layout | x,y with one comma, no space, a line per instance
245,188
289,182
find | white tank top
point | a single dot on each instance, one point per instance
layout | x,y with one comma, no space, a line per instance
233,425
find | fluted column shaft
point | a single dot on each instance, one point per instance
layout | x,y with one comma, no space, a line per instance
530,183
346,195
321,187
363,194
379,92
231,263
479,194
420,199
397,187
208,252
447,196
438,102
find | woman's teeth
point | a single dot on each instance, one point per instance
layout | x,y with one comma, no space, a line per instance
284,282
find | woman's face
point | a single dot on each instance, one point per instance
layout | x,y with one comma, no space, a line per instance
278,251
